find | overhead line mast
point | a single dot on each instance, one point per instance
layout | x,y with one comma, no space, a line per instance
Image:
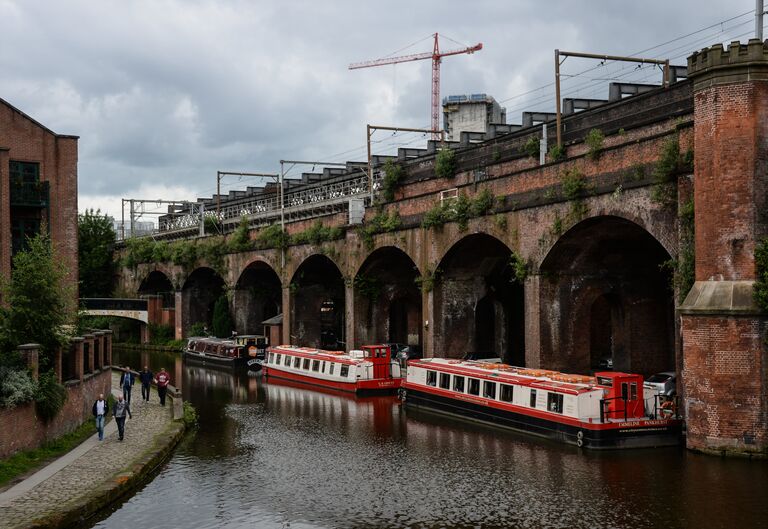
436,55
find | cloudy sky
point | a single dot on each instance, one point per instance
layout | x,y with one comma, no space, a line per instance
163,93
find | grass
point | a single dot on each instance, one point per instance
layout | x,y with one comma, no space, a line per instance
28,460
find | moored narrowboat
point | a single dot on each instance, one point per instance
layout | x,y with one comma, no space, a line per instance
605,411
370,369
216,351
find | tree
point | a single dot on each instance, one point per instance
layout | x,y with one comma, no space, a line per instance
95,253
37,301
222,321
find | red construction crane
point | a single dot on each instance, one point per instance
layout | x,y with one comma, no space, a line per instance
436,55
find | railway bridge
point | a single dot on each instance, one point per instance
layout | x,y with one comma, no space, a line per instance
635,242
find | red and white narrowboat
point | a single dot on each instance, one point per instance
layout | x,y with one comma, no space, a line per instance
370,369
605,411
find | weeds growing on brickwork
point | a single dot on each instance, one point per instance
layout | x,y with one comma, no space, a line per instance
368,287
393,174
760,291
594,141
381,223
428,279
520,268
684,267
531,147
459,210
445,163
557,153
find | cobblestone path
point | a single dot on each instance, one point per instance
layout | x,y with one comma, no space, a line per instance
95,469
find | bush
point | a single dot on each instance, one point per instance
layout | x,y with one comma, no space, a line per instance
761,285
272,237
160,334
316,234
557,153
16,387
445,163
198,329
393,173
240,241
190,415
222,321
531,147
50,396
594,141
380,223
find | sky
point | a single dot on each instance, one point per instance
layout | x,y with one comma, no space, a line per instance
165,93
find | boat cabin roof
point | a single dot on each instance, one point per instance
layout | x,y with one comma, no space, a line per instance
317,354
536,378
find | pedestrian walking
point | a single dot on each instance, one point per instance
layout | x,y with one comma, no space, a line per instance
163,379
122,408
127,380
145,377
100,410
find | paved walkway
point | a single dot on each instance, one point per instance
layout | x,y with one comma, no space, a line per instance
92,467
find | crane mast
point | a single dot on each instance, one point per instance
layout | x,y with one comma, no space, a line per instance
436,57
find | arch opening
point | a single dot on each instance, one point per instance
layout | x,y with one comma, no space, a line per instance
257,297
199,294
318,307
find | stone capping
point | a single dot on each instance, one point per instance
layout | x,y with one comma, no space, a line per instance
738,63
721,298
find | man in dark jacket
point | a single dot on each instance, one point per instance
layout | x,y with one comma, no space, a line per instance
127,380
121,409
100,410
145,377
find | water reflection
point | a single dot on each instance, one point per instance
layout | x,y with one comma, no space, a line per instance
271,453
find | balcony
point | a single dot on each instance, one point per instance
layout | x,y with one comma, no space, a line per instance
30,194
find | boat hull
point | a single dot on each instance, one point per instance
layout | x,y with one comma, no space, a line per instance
645,434
360,386
215,359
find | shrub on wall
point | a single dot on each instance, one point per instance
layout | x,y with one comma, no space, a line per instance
761,284
445,163
222,320
393,173
380,223
50,396
594,141
16,387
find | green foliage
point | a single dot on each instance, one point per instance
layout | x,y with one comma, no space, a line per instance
198,329
557,153
531,147
50,396
501,221
183,253
368,287
212,250
687,162
317,234
272,237
496,156
519,268
380,223
684,267
176,344
667,167
211,225
459,210
574,184
160,334
137,251
429,279
445,163
240,241
38,302
190,415
222,320
393,173
594,141
16,387
95,251
760,292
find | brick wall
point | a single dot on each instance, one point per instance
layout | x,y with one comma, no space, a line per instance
22,430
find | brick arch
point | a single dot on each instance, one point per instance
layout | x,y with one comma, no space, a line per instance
387,299
478,304
256,296
318,303
199,292
236,271
293,265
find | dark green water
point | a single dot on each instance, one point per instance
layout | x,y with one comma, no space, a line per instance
273,455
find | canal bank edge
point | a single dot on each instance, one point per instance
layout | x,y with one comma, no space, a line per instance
122,482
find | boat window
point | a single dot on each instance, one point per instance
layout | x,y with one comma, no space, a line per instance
506,393
605,381
277,360
315,365
489,390
431,378
533,398
296,362
344,371
555,402
445,380
632,391
322,367
287,361
271,358
458,384
474,386
330,368
306,364
624,391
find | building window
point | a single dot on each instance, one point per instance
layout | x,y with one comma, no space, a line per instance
489,390
533,398
474,386
458,384
344,371
445,380
431,378
24,173
507,392
555,402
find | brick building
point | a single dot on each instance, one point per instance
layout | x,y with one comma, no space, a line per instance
38,187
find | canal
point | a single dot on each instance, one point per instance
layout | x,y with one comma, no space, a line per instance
268,454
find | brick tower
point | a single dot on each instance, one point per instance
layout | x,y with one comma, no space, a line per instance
723,331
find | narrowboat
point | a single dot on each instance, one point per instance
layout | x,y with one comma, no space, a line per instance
604,411
216,351
255,348
370,369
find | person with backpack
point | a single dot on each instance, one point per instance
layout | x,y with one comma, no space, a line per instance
100,410
163,379
127,379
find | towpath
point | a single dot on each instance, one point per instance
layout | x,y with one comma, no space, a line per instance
96,472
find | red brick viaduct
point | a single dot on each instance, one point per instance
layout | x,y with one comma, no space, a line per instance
572,264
